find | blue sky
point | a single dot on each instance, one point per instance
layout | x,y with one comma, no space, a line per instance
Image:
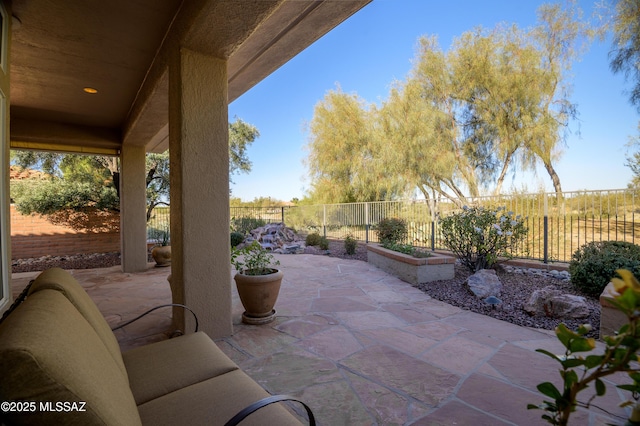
375,47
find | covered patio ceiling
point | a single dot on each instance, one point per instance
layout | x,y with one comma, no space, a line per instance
120,48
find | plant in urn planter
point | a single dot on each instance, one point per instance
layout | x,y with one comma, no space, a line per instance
257,281
161,253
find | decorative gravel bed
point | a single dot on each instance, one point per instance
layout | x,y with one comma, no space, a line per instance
78,261
515,291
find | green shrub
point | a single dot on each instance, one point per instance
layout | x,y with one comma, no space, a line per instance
401,248
236,238
159,236
324,243
391,230
479,237
253,260
49,196
407,249
350,244
313,239
593,264
246,224
421,253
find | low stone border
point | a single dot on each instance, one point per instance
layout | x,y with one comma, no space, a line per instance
562,275
412,269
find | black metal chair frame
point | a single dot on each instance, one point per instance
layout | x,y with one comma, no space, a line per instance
126,323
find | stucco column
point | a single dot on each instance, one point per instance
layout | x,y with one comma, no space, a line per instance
199,164
133,218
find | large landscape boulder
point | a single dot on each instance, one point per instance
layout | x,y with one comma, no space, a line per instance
551,302
484,283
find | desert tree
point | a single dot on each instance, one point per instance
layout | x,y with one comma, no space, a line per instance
241,136
343,162
77,181
497,101
625,58
625,55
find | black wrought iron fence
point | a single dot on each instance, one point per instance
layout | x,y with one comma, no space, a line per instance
266,214
159,221
558,224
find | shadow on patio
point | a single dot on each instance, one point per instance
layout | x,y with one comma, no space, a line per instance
363,348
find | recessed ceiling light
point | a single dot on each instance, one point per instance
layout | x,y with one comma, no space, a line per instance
90,90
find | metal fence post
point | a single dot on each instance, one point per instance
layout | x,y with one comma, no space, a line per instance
433,235
324,220
545,224
366,222
282,209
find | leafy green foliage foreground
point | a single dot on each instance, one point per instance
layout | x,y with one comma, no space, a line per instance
578,372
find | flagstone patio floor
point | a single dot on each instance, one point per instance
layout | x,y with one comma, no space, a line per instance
362,347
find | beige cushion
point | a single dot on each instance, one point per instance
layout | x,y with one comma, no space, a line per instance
163,367
62,281
48,352
214,402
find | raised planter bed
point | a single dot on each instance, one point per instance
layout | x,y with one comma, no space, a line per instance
411,269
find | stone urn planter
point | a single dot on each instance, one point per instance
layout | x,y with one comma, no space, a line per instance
161,255
257,282
258,294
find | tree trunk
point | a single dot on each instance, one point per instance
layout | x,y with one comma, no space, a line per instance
431,200
115,176
151,173
554,178
150,208
111,163
503,173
